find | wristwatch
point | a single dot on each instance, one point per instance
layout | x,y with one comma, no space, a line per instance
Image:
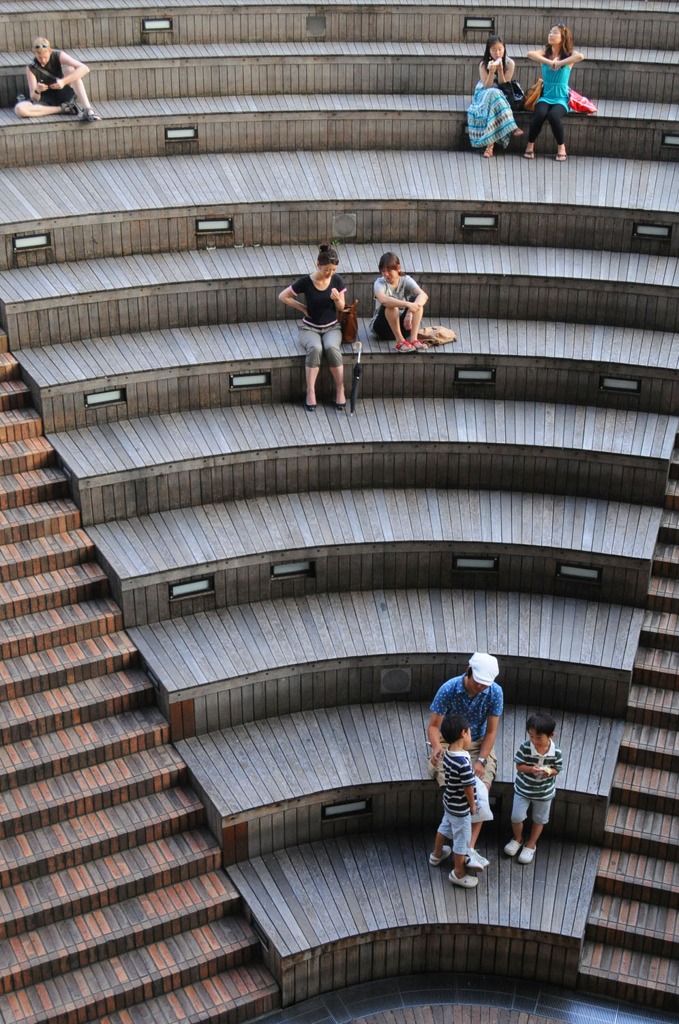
483,760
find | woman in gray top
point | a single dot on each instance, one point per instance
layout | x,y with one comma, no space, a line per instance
399,304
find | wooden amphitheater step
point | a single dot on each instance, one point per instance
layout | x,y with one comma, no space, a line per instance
19,423
651,788
637,926
107,880
14,394
66,750
672,498
31,486
100,697
669,527
649,705
656,668
27,522
131,977
89,836
663,595
45,554
666,561
636,830
639,877
68,664
25,454
31,594
84,790
9,365
639,977
231,997
66,624
111,931
650,746
660,629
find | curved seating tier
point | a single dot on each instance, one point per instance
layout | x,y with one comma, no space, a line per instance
232,665
638,23
374,753
229,124
199,69
92,298
364,539
179,369
359,924
155,205
136,467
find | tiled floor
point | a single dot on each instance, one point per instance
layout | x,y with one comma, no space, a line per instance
459,990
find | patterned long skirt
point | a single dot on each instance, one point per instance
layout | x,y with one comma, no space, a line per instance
490,118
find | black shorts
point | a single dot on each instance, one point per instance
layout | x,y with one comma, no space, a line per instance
381,328
55,97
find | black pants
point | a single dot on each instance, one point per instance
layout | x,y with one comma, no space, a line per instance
552,112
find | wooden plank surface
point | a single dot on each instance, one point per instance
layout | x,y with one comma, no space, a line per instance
330,749
361,881
213,648
209,534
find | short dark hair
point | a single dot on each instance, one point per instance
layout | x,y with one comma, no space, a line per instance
543,723
452,727
389,261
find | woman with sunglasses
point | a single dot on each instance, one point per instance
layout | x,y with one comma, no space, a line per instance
490,118
54,84
557,59
320,297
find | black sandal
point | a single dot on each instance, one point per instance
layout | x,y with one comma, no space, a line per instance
88,114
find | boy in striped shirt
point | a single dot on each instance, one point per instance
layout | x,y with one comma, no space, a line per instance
538,762
459,801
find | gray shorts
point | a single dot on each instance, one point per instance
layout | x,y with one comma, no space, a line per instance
540,809
457,828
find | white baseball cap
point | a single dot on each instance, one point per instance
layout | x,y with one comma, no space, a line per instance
485,668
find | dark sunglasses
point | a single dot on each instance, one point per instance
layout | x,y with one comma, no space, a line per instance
41,46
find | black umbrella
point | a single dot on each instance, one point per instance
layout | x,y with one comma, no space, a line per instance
356,376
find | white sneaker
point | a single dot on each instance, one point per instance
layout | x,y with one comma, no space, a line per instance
467,881
475,860
512,847
526,856
445,854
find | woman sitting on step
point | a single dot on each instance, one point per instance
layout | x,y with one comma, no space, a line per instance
557,59
490,118
399,305
55,85
320,297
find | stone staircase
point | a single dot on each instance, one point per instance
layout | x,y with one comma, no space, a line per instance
112,893
632,946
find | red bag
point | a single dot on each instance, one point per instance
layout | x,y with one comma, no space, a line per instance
580,104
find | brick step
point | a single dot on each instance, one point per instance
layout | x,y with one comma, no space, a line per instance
654,667
34,485
43,803
41,631
650,746
638,877
654,789
101,697
635,830
241,994
660,629
85,992
39,520
81,746
648,705
112,931
29,453
107,880
51,590
621,974
14,394
663,595
83,839
9,366
643,927
45,554
18,423
62,666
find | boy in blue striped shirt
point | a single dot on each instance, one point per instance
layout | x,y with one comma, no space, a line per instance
459,800
538,762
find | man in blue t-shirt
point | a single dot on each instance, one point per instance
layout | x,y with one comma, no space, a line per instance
477,697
